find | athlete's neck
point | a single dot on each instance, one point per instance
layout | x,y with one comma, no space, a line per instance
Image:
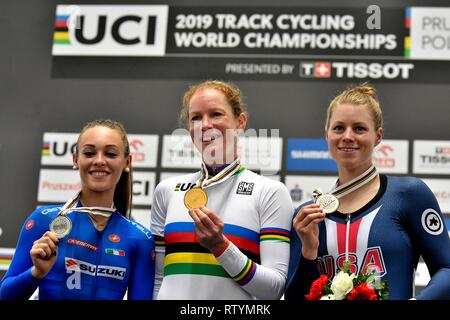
348,174
96,199
213,170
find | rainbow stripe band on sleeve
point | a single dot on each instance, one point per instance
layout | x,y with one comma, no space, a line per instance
274,234
159,240
246,275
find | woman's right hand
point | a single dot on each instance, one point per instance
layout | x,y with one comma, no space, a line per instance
306,225
43,254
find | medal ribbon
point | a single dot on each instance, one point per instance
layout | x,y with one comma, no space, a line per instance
223,175
71,206
351,185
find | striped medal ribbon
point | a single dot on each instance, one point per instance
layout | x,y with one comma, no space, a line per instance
62,225
196,197
329,202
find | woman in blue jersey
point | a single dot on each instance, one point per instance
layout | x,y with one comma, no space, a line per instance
87,248
222,232
368,220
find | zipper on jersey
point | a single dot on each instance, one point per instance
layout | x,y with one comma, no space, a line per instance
347,235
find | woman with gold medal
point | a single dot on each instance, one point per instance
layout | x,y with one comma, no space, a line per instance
369,221
87,248
228,236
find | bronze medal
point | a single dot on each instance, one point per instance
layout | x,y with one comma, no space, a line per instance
195,198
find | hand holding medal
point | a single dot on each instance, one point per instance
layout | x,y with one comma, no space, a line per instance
209,229
43,254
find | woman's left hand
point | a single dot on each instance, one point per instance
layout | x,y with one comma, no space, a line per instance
209,229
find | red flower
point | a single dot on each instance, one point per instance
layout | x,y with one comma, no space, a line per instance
362,292
317,288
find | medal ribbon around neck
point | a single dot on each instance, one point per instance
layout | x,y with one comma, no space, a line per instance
222,176
197,197
329,202
71,206
355,183
62,225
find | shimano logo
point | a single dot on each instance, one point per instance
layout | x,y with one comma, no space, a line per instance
298,154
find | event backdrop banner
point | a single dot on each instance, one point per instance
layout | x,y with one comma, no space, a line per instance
292,43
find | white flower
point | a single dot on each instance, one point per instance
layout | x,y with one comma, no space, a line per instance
328,297
342,284
373,280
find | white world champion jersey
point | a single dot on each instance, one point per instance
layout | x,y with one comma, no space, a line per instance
257,214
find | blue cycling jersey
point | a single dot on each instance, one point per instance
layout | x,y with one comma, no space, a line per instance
390,233
91,264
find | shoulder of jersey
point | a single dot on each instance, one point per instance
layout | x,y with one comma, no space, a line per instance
406,182
138,228
268,182
188,177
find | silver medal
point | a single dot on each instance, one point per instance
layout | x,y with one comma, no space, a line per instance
61,225
328,203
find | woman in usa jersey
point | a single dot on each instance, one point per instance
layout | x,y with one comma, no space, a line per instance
222,232
370,220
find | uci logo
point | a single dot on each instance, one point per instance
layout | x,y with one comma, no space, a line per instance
141,188
134,30
61,149
184,186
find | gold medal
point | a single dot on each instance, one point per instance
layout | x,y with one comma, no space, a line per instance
194,198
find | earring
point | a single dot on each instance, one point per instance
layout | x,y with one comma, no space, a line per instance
75,167
127,169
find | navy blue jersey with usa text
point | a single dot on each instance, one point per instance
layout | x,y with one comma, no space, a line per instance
91,264
390,233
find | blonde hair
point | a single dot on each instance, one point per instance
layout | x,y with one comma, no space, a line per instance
360,95
123,192
231,92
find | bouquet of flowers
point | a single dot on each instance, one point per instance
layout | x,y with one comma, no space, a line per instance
347,286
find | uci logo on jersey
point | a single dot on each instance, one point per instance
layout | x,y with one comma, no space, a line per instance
184,186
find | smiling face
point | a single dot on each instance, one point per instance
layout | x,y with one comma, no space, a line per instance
101,160
352,136
213,126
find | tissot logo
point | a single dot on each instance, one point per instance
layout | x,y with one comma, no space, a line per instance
355,70
110,30
315,70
